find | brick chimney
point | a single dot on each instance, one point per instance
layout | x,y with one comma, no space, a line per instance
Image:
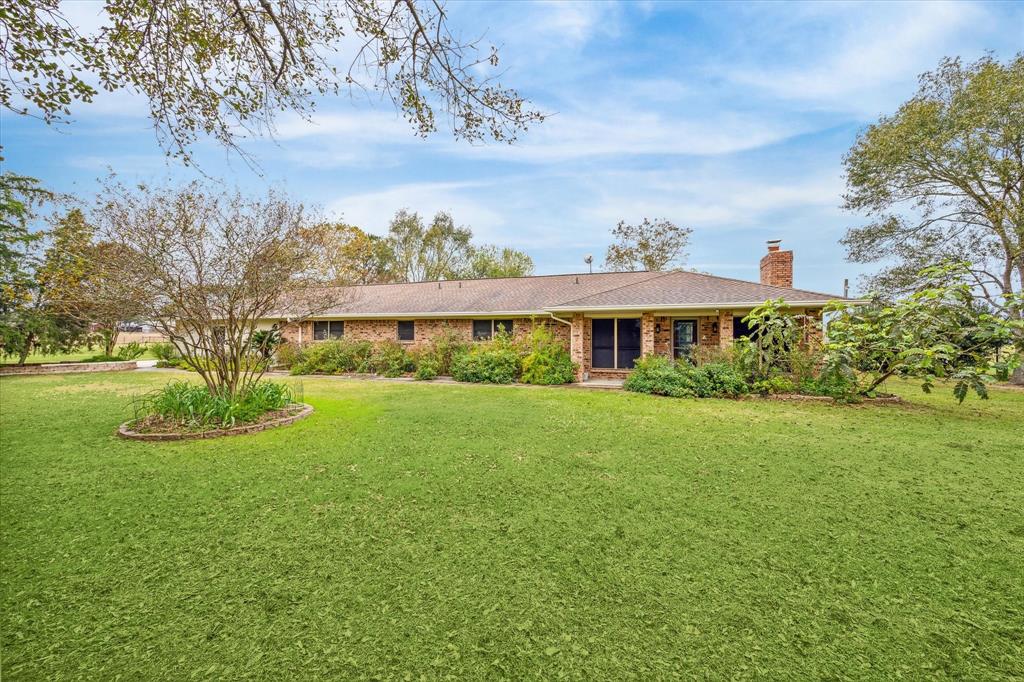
777,266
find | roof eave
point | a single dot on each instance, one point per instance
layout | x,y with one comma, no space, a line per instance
697,306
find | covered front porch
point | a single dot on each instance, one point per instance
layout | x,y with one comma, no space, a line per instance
606,345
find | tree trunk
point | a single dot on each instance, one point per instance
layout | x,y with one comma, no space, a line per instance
109,341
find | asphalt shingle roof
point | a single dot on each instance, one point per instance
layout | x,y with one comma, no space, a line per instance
528,295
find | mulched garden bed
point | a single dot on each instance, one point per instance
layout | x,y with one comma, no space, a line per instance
154,428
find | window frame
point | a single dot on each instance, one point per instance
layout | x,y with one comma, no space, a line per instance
412,330
492,324
331,335
696,336
616,321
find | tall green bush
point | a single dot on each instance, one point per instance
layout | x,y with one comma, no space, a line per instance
489,362
547,360
334,357
660,376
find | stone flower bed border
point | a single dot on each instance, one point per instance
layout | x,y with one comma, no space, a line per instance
124,431
69,367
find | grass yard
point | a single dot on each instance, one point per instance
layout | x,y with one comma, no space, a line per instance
77,355
411,531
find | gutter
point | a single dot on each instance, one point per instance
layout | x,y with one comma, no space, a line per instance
695,306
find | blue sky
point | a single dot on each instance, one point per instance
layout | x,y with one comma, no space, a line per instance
731,119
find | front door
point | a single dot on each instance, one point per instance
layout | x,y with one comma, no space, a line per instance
684,337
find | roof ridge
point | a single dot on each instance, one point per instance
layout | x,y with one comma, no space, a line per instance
760,284
494,279
656,275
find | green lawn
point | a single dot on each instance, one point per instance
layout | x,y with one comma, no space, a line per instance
411,531
74,356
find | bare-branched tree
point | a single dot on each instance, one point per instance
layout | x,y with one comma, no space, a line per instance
209,267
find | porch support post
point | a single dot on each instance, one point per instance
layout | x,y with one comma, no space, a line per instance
577,345
724,328
646,334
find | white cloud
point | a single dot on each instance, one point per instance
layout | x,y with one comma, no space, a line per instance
844,56
372,211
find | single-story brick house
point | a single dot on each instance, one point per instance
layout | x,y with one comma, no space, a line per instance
606,319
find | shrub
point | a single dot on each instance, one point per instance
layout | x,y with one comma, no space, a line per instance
705,355
658,375
492,362
548,361
426,368
264,342
444,348
164,351
131,351
773,385
288,354
389,359
334,357
720,380
193,405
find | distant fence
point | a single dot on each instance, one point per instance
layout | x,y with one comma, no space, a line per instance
140,337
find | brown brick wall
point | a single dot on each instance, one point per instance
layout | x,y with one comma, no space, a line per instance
425,330
777,268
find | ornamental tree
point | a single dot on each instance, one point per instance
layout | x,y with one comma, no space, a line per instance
206,267
940,331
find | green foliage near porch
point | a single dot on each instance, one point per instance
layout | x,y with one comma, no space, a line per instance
409,530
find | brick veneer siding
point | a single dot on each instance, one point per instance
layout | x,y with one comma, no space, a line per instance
777,268
424,330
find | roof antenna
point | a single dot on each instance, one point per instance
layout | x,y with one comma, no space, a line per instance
589,260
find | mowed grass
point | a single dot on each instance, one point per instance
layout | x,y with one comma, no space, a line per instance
411,531
77,355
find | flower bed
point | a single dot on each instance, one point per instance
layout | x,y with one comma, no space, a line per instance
156,428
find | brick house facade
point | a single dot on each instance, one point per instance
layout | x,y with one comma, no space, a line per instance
606,320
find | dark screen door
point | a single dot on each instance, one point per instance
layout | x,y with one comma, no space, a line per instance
629,342
602,334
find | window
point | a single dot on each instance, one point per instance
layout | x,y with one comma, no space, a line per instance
328,329
483,330
684,337
615,342
406,330
739,327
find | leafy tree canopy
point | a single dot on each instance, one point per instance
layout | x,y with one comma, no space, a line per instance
943,178
938,331
652,245
225,68
492,261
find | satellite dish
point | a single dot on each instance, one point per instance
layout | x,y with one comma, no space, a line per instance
589,260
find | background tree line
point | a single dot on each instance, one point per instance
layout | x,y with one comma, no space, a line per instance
412,251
